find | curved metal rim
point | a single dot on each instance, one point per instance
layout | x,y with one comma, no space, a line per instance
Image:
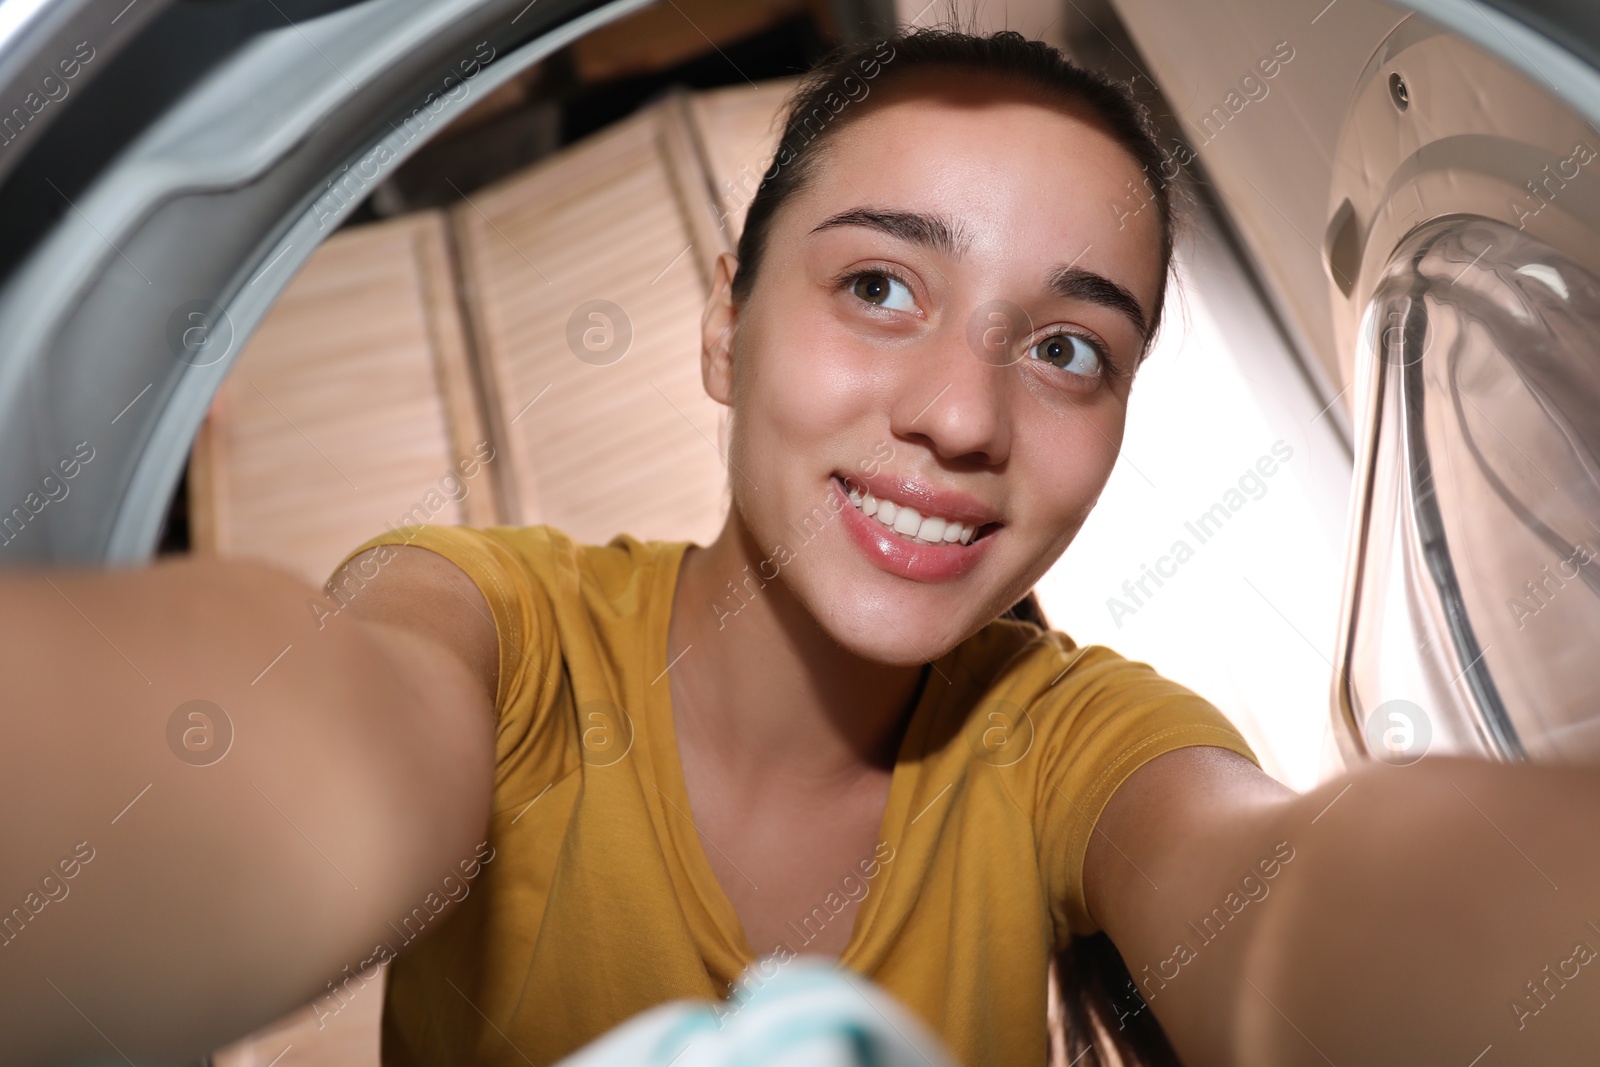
137,526
1543,59
278,165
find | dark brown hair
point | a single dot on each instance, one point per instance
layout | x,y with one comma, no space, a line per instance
1100,1019
837,89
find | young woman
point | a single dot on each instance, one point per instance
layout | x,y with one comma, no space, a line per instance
586,780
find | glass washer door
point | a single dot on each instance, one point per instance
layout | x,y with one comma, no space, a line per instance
1476,614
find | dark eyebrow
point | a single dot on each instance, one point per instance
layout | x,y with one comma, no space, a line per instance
1075,283
931,231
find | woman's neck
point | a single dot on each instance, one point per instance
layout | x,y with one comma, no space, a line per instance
763,690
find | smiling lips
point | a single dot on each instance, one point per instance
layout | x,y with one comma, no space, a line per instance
917,510
908,522
938,538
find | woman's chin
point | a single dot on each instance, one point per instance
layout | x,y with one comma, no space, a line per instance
893,638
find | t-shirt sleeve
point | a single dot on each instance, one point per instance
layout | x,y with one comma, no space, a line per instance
1104,718
527,632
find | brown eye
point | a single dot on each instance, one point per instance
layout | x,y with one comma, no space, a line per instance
882,290
873,288
1071,353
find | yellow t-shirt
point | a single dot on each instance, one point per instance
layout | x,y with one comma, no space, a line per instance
597,900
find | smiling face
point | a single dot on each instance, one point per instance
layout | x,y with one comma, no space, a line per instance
947,316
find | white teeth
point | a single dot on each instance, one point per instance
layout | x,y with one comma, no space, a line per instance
908,522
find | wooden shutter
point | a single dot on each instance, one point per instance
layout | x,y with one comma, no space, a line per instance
596,447
385,362
348,409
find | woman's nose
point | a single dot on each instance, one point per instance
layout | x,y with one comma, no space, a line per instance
954,392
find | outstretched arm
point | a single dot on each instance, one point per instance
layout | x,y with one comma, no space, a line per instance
1446,912
166,887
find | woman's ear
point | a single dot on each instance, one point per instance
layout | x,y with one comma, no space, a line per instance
717,324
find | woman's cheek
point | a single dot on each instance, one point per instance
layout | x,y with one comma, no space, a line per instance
822,384
1071,460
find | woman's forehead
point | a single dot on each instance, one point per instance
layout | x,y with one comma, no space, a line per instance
1018,179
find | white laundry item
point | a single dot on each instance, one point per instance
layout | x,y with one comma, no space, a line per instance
809,1013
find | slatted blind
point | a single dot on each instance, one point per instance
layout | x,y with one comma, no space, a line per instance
348,409
608,432
738,128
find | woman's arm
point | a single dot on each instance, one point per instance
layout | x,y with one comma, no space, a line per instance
157,901
1436,913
